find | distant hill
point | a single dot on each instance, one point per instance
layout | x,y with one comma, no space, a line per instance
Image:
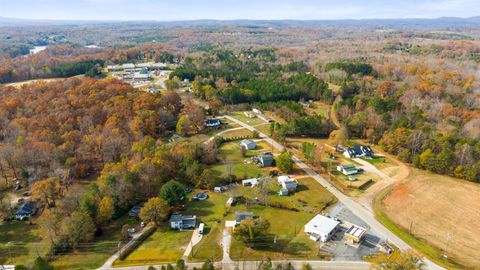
394,23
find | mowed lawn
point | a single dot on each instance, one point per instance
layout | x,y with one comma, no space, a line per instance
163,246
20,243
285,239
437,208
232,161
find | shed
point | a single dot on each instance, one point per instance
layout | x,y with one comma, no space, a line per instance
240,216
248,144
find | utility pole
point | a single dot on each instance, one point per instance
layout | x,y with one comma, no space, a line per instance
447,240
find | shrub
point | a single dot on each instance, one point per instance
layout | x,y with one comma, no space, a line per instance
129,248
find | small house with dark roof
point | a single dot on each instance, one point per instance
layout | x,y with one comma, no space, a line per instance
240,216
264,160
214,122
25,211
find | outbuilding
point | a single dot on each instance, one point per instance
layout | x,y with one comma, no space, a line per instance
347,169
248,144
355,234
321,228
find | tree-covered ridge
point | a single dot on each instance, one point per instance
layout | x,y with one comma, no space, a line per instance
426,115
250,77
77,125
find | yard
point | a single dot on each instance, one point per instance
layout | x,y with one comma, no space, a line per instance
287,216
439,210
251,121
362,181
96,253
163,246
20,243
232,161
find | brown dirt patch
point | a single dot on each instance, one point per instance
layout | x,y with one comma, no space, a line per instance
439,208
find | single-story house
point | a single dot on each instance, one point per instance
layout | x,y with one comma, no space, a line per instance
358,151
264,160
355,234
321,228
175,137
248,144
239,216
347,169
252,182
153,90
213,122
287,183
256,111
25,211
181,222
283,192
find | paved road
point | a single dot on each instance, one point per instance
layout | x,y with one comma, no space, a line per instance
253,265
363,212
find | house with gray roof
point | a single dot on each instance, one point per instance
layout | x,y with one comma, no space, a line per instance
182,222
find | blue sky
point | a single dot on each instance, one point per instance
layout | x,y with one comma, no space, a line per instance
168,10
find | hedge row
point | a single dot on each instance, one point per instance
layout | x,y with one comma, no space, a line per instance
133,245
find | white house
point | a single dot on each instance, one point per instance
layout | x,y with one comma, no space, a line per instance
257,111
347,169
287,183
321,228
181,222
248,144
252,182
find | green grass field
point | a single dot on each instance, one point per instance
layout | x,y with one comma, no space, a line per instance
241,116
20,243
163,246
232,161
